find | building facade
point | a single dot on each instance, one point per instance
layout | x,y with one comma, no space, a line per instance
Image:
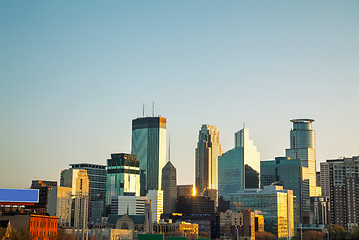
169,187
123,176
302,146
155,198
207,152
59,205
324,179
97,185
78,181
130,205
149,144
344,188
274,203
44,188
290,174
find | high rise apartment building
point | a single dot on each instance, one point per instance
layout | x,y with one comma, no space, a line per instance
324,179
123,176
232,166
149,144
344,188
302,146
169,187
97,185
207,152
78,181
59,204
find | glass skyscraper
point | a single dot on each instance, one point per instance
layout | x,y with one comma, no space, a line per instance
302,146
97,185
123,176
274,203
149,144
232,165
290,174
207,152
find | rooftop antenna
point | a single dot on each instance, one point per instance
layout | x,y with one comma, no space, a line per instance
143,109
169,149
244,125
153,108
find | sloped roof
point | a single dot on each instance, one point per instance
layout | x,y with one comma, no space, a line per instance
137,219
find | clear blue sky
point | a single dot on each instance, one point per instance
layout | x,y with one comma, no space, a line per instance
73,74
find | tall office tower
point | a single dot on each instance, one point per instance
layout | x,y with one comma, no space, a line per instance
149,144
78,181
324,179
97,184
207,152
130,205
123,176
169,187
290,174
44,188
155,197
238,168
276,205
302,146
344,188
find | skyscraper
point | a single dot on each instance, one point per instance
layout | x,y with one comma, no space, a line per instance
344,188
169,187
123,176
302,146
207,152
78,181
238,168
97,185
149,144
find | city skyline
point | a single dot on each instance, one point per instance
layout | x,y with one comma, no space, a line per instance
70,86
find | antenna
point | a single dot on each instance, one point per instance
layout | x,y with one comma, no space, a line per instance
153,108
143,110
169,149
244,125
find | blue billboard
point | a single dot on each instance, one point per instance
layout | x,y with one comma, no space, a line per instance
19,195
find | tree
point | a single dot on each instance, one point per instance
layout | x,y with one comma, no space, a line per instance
265,236
313,235
354,234
337,232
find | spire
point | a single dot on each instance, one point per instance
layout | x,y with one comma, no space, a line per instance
169,149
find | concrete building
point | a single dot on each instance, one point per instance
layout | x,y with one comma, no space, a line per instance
130,205
78,181
97,185
344,188
169,187
320,209
155,197
149,144
59,205
238,225
324,179
178,229
302,146
290,174
123,176
207,152
274,203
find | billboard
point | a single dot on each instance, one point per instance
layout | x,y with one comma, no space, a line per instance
14,196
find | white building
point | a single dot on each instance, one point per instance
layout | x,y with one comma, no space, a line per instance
130,205
156,198
59,204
